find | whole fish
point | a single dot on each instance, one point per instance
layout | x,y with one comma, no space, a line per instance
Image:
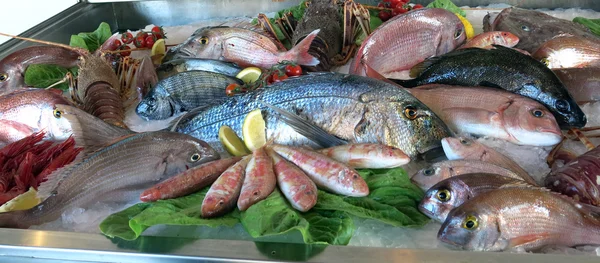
448,194
326,173
183,92
244,47
28,111
13,66
487,39
437,172
501,68
259,181
569,52
132,163
532,27
225,191
583,83
295,185
492,113
367,155
408,39
173,67
520,218
467,149
358,110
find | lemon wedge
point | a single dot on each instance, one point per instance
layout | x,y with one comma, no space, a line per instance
158,51
468,27
24,201
253,130
249,74
232,143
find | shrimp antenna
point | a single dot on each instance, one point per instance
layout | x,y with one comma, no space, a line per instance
78,50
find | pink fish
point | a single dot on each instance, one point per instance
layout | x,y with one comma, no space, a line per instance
367,155
260,180
487,39
295,185
224,192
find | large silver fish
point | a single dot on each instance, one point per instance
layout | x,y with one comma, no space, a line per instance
175,66
352,108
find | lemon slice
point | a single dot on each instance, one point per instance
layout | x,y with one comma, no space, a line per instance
253,130
158,51
24,201
249,74
232,143
468,27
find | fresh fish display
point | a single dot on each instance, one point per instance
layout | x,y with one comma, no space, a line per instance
582,83
359,110
502,68
569,52
134,162
259,181
29,111
224,192
244,47
176,66
492,113
295,185
189,181
406,40
488,39
183,92
366,155
467,149
327,174
520,218
440,171
446,195
532,27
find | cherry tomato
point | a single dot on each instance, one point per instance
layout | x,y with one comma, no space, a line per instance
399,10
384,15
279,78
115,44
395,3
231,89
384,5
127,37
417,6
293,70
149,41
126,54
140,41
158,32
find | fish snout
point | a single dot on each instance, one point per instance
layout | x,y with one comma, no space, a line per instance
151,108
208,153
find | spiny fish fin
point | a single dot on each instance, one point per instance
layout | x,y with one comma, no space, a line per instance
527,239
300,51
307,129
418,69
90,132
48,188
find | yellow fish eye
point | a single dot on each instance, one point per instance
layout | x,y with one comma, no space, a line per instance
410,112
546,61
443,195
203,40
470,222
195,157
3,77
57,114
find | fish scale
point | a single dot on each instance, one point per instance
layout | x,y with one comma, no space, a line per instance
353,108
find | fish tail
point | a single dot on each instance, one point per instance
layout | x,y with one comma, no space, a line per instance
299,53
13,220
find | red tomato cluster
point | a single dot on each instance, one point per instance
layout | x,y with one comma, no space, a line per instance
397,6
281,75
141,40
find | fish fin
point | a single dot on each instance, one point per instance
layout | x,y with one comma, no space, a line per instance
519,184
489,84
186,116
418,69
524,240
48,188
90,132
406,83
300,54
307,129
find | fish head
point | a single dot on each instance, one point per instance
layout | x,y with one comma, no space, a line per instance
453,37
531,123
560,102
187,152
470,227
205,43
430,175
506,39
57,128
10,77
155,106
444,196
462,148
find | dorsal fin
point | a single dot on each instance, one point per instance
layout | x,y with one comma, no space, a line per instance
90,132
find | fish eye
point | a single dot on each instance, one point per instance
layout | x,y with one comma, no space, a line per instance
537,113
195,157
410,112
428,171
470,222
465,141
203,40
443,195
57,114
3,77
458,33
546,61
525,28
562,105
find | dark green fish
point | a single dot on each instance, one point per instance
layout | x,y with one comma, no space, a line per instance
501,68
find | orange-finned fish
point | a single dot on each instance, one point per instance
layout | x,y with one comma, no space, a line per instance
520,218
367,155
295,185
325,172
224,192
259,181
188,181
487,39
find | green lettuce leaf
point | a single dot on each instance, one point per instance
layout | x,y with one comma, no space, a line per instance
42,76
592,24
92,40
448,5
